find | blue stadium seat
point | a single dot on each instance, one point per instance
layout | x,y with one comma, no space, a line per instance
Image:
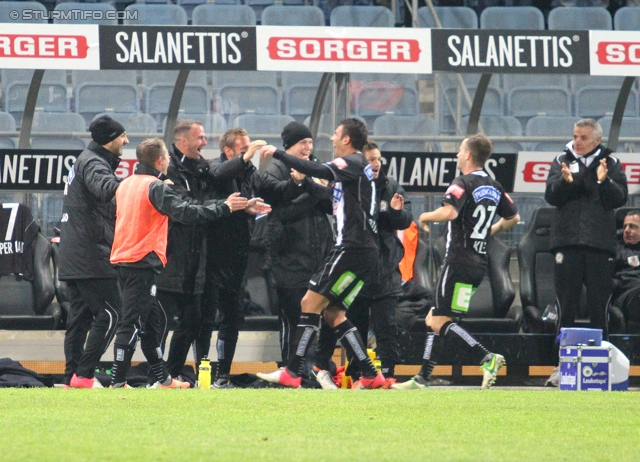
550,126
451,17
292,15
596,96
240,92
580,18
500,126
394,125
65,123
258,6
630,127
299,92
8,124
211,14
529,95
160,14
378,94
68,7
52,96
105,91
509,17
6,7
159,86
627,18
450,94
266,127
361,16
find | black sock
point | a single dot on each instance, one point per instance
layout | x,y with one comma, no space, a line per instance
226,348
326,346
432,348
121,363
156,364
350,339
452,332
306,331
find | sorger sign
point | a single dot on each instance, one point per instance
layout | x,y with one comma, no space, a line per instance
615,53
49,46
339,49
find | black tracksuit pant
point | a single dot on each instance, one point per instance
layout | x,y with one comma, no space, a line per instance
188,323
289,309
95,308
594,268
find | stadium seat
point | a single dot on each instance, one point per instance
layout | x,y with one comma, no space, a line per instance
52,96
500,126
64,124
530,95
241,92
292,15
159,85
214,124
521,17
550,126
450,95
7,7
580,18
139,126
378,94
258,6
105,91
451,17
627,18
630,127
68,7
361,16
299,92
395,125
27,304
537,266
7,124
160,15
266,127
596,96
490,309
211,14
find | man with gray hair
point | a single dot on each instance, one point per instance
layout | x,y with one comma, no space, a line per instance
585,184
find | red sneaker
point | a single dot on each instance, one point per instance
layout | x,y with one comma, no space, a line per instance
388,382
369,384
81,382
282,377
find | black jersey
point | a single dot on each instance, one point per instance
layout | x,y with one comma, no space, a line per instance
18,232
477,198
354,202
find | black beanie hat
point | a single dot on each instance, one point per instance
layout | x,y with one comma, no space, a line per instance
294,132
104,130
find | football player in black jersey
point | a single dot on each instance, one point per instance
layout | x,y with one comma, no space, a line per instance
352,266
469,205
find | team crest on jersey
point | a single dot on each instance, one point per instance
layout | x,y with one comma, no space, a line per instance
340,163
559,258
369,172
383,206
486,192
633,261
455,190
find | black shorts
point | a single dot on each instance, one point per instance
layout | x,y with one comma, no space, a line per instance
456,285
345,274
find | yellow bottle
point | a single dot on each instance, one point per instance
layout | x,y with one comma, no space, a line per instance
204,374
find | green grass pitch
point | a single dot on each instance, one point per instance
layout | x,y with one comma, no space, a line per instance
281,425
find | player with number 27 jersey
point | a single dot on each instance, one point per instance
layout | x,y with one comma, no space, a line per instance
477,198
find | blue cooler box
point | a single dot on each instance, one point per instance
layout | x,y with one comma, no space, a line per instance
580,336
593,368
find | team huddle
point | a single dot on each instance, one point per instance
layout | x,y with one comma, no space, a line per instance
174,237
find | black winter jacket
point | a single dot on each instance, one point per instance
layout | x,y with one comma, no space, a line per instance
300,231
627,268
88,216
390,221
184,272
584,208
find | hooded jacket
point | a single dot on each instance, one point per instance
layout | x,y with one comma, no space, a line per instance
88,216
584,214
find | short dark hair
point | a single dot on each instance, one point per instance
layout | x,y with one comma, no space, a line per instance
480,147
633,212
183,126
357,132
228,138
369,145
149,150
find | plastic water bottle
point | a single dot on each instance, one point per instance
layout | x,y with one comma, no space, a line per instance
204,374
